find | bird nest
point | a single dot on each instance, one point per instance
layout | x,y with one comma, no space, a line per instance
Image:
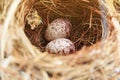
95,33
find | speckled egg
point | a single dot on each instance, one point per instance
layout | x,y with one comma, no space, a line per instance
59,28
60,46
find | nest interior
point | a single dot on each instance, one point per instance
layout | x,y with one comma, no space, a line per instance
85,17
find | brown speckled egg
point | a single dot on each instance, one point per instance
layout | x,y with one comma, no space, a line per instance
60,46
59,28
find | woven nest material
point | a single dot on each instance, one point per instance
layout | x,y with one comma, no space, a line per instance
96,27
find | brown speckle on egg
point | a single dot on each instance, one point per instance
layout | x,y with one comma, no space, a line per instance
59,28
60,46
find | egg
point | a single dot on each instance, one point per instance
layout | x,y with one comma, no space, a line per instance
60,46
59,28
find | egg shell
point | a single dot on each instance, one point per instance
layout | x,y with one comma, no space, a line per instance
60,46
59,28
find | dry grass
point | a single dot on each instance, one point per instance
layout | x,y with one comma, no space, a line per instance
20,60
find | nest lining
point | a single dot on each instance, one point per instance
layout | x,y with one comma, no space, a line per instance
85,18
